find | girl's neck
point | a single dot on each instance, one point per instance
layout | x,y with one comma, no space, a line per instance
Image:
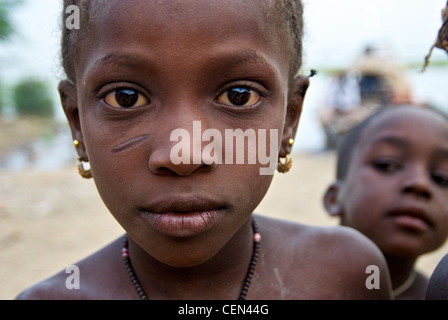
221,277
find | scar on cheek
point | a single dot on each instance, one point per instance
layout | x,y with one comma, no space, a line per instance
130,144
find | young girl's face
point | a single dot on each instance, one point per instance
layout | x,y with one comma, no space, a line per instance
151,67
396,189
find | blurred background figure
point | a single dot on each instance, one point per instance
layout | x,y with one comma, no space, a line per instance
375,79
442,37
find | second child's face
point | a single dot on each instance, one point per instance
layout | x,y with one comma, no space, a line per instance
151,67
396,190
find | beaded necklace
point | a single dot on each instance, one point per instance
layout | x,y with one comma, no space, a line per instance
247,281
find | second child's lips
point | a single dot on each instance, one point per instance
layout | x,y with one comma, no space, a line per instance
412,218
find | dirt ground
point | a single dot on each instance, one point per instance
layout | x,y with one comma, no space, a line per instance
51,219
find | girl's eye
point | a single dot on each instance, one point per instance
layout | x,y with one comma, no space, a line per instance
239,96
386,166
440,178
125,98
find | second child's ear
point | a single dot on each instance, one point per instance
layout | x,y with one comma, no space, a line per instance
330,200
296,97
69,100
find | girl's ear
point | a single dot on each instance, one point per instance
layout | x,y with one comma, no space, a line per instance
294,110
330,200
69,100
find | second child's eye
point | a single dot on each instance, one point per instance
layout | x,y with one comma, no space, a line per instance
125,98
440,178
239,96
386,166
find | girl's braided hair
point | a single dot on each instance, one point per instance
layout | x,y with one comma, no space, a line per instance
286,14
71,39
442,37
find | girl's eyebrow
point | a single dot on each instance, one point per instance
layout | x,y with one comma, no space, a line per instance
118,58
240,57
246,56
114,60
220,59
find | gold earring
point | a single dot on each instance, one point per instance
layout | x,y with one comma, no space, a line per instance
86,174
291,142
286,166
75,143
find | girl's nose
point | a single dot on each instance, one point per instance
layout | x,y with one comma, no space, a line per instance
182,155
161,163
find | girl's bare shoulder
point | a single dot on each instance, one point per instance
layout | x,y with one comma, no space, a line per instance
317,238
340,257
83,279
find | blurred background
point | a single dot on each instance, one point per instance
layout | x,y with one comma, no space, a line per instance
365,53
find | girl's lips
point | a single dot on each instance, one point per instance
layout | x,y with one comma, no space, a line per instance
182,224
183,216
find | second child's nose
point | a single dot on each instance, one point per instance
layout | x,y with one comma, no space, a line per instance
418,183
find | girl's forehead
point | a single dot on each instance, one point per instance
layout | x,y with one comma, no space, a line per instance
184,28
180,14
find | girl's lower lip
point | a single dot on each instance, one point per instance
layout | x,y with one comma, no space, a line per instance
182,224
